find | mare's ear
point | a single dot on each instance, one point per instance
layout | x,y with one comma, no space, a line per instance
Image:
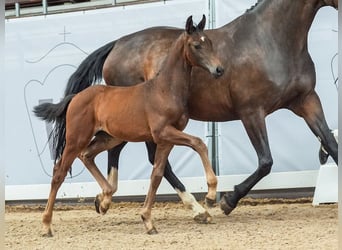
201,25
189,27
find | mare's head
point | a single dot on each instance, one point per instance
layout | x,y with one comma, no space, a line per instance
199,49
332,3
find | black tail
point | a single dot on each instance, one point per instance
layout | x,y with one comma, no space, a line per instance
55,113
90,70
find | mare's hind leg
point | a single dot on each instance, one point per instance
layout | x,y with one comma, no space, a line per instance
310,109
200,213
113,165
100,143
60,170
256,129
161,155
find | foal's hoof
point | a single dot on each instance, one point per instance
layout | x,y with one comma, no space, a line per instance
209,202
152,231
203,218
225,207
97,204
47,234
100,209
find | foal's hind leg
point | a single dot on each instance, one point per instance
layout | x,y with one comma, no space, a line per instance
60,170
100,143
200,213
310,109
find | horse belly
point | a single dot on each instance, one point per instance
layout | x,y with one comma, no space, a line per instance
123,117
129,130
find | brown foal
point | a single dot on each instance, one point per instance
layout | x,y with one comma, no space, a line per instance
101,117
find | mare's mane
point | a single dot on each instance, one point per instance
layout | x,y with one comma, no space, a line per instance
253,6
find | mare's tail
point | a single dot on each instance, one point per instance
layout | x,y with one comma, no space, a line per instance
55,113
89,72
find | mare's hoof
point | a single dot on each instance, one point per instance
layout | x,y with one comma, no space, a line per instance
323,155
225,207
203,218
152,231
209,202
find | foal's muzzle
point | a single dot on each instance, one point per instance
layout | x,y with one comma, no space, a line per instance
218,72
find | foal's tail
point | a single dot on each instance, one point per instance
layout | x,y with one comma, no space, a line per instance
55,113
89,72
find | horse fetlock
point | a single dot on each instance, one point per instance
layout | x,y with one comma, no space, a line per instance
210,202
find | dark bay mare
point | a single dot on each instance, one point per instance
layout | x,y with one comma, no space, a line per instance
101,117
267,67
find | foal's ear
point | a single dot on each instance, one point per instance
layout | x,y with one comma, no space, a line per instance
189,27
201,25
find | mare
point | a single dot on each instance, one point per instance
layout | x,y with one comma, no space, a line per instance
267,68
101,117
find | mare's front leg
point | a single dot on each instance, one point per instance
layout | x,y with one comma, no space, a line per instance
254,124
200,213
161,155
310,109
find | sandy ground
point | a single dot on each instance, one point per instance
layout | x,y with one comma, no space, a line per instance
255,224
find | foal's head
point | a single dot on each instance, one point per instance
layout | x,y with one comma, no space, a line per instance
199,49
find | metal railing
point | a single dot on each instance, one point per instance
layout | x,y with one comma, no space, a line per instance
19,8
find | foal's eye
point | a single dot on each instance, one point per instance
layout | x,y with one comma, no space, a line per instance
197,45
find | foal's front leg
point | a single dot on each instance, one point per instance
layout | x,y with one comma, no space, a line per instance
200,214
177,137
162,152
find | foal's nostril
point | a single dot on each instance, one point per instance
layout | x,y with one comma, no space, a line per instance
219,71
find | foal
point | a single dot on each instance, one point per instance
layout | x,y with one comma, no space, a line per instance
102,117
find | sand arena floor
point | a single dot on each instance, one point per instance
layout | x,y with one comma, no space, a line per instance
254,224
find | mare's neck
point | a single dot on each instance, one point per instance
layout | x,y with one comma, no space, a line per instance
291,18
